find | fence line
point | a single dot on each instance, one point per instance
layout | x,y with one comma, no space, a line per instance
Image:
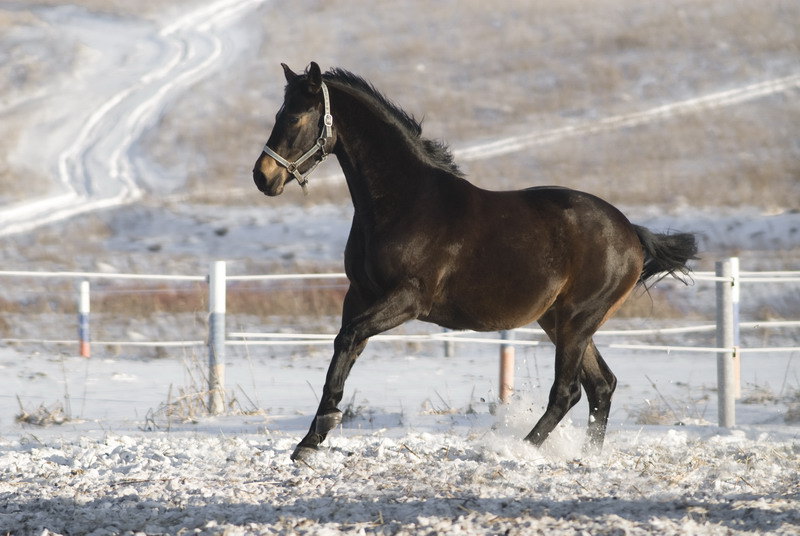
768,273
102,275
143,344
283,277
302,339
727,279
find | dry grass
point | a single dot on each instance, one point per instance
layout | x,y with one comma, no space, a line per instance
792,415
671,410
189,403
488,70
163,306
263,300
657,413
257,299
789,397
653,303
475,71
479,71
288,299
43,415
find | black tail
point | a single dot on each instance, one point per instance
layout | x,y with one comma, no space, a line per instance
665,254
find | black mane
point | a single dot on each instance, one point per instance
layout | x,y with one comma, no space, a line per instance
437,152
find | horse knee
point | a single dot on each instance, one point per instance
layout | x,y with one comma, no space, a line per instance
344,341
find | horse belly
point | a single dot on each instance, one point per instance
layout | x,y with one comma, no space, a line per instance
492,306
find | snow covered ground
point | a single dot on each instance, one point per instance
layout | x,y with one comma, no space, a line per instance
83,128
428,450
654,482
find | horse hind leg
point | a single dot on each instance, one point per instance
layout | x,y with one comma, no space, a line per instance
564,394
566,389
599,383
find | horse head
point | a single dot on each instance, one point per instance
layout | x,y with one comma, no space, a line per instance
302,136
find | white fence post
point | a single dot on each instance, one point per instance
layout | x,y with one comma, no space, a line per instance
737,356
84,348
506,367
216,338
725,339
449,345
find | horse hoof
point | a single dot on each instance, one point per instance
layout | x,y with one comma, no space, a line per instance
327,422
593,447
302,453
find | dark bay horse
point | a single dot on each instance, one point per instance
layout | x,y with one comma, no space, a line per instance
427,244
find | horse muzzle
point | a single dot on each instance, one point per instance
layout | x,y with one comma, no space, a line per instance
269,177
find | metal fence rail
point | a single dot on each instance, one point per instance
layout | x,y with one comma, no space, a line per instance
727,279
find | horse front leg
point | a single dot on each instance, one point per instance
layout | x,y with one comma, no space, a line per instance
390,311
328,415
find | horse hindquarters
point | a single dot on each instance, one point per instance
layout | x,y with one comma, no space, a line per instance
600,278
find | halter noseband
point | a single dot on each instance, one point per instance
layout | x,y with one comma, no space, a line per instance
319,146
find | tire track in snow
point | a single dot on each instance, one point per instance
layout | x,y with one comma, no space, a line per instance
97,175
718,99
711,101
96,169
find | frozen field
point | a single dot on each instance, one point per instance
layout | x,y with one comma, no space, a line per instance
426,451
654,481
127,134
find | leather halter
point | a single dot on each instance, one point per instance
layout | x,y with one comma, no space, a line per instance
319,146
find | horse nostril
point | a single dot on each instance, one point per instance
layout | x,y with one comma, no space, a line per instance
260,179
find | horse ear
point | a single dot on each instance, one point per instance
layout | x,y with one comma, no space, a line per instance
288,73
314,78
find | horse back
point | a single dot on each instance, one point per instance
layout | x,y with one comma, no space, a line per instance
490,260
519,252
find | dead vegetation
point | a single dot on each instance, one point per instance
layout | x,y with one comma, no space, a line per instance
534,66
43,415
128,311
671,411
474,72
786,396
189,403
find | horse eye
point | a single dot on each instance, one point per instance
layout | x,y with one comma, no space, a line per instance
292,119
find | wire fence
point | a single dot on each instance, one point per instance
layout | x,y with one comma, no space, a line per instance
727,281
299,339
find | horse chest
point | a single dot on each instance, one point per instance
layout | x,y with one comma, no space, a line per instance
381,258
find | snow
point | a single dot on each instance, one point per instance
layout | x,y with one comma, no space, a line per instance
473,482
85,127
428,449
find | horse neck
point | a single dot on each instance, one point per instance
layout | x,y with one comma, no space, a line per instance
383,174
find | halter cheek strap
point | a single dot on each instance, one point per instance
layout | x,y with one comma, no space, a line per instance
319,147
